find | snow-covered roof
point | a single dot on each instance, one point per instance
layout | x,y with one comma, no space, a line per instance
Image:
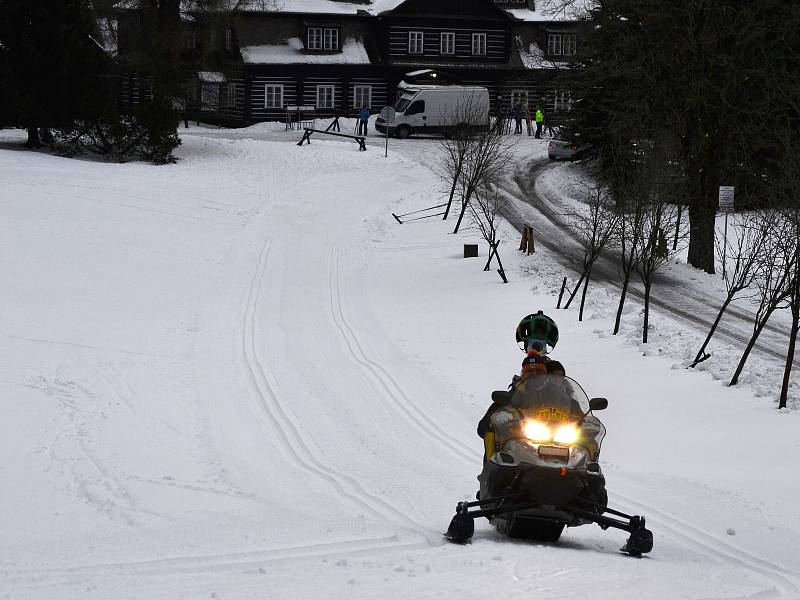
552,10
328,7
545,11
211,76
293,51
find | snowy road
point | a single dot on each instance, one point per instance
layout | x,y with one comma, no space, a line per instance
238,377
674,292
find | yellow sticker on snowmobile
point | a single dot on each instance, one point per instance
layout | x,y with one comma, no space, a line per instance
551,414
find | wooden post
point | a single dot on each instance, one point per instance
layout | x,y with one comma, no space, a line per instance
531,246
523,244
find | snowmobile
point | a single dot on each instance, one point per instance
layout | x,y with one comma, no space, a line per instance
540,471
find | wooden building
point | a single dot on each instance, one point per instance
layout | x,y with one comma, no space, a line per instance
248,65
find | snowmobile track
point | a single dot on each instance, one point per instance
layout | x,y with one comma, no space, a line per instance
786,582
379,375
290,434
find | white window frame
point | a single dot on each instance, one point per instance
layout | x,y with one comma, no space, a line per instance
416,42
324,93
359,91
561,44
520,96
478,44
447,42
228,38
554,44
569,44
276,95
330,38
314,38
230,94
562,101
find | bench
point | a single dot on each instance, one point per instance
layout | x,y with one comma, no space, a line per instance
362,146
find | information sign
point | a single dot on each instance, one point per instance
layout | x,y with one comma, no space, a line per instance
726,198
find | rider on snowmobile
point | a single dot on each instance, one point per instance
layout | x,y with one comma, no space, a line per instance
535,332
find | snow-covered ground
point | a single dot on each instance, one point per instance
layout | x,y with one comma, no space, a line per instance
239,377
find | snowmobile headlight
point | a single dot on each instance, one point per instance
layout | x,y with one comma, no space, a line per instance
566,434
537,431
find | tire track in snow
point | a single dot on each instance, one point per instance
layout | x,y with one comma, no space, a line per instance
380,376
203,563
785,581
292,438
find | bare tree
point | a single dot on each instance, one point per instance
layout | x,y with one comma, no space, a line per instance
487,156
792,218
631,224
658,224
484,213
745,246
595,228
456,144
772,289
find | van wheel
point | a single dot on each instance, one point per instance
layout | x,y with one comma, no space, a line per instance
402,132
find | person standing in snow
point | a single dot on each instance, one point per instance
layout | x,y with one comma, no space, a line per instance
363,121
539,122
528,111
516,112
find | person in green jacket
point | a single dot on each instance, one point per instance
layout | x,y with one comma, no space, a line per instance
539,122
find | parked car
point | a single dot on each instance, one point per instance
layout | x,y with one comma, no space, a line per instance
567,143
431,109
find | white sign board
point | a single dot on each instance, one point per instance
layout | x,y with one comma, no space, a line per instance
726,198
387,114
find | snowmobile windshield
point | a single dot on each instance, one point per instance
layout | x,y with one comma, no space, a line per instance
551,396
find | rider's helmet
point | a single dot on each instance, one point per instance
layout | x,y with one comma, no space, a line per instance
537,331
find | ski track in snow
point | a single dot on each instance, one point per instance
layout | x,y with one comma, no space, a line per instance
392,390
291,435
784,583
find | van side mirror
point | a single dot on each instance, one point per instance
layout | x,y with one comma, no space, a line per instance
598,403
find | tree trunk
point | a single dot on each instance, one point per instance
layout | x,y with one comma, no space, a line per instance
703,189
452,192
583,295
625,283
646,326
701,234
461,215
33,138
677,228
697,359
790,356
750,345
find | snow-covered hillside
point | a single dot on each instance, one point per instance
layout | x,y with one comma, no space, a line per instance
239,377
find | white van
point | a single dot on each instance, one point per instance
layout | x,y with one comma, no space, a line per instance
433,108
